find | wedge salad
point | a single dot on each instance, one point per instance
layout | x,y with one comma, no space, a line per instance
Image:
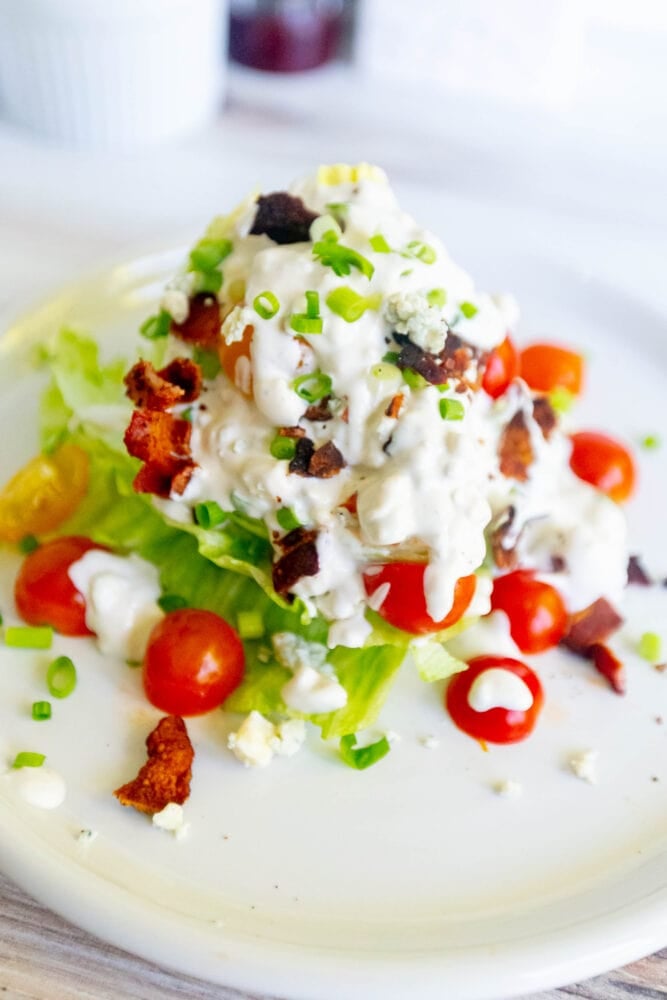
327,453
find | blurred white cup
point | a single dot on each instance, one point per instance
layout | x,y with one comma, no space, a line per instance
111,73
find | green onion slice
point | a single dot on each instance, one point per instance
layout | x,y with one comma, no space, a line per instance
41,710
209,514
250,624
157,326
437,297
208,281
283,447
362,757
208,361
312,387
422,251
650,647
61,677
341,259
452,409
303,323
391,357
29,636
379,244
351,306
266,305
312,305
28,758
287,519
207,254
650,442
468,309
414,379
28,544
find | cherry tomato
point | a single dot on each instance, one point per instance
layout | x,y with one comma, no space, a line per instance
43,591
604,463
501,367
404,606
546,367
495,725
536,611
193,661
44,493
235,361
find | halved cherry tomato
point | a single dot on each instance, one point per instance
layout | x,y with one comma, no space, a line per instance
546,367
193,661
43,591
235,361
44,493
495,725
604,463
405,604
501,367
536,611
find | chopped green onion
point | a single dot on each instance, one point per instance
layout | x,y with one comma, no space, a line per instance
61,677
650,647
406,273
41,710
444,387
27,758
208,281
209,514
437,297
414,379
422,251
339,209
351,306
283,447
208,361
379,244
561,399
312,387
468,309
341,259
383,371
302,323
391,357
287,519
266,305
171,602
312,305
186,414
650,442
207,254
157,326
325,228
28,544
452,409
362,757
29,636
250,624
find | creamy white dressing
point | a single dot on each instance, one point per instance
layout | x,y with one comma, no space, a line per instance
499,688
39,786
427,487
121,595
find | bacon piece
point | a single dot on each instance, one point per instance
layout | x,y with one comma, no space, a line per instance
504,540
179,382
544,416
158,437
591,626
319,412
302,456
166,775
609,665
350,504
326,461
291,432
202,327
429,366
637,574
300,559
284,218
395,406
515,450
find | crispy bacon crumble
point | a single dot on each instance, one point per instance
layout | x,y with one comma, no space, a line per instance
166,775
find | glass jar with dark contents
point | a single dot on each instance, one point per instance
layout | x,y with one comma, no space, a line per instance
285,36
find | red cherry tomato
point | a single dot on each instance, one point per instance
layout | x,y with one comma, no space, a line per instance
604,463
495,725
501,367
536,611
193,661
405,604
546,367
43,591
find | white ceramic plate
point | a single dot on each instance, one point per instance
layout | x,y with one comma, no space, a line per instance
309,880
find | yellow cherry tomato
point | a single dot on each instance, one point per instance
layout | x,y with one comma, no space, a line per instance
43,494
